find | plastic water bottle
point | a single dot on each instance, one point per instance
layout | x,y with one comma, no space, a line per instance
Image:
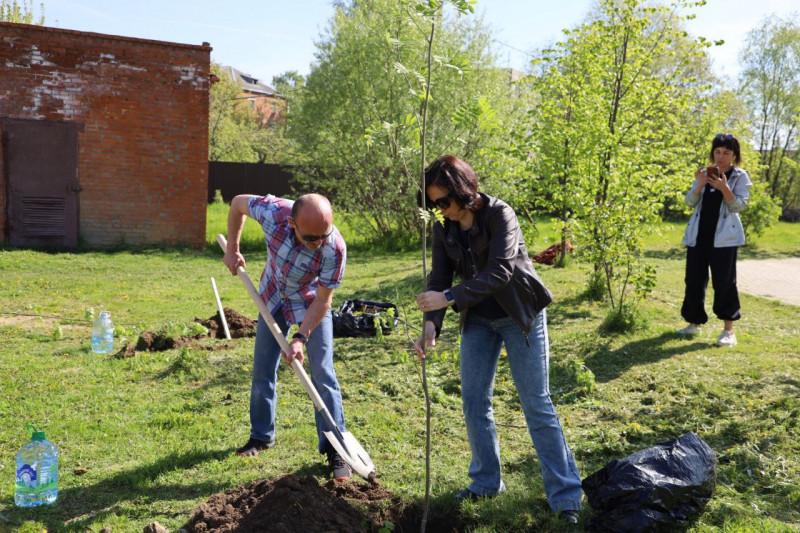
103,333
37,471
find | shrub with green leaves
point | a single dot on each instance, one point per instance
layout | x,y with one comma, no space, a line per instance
583,376
761,213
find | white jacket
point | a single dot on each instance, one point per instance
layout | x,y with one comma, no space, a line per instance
729,226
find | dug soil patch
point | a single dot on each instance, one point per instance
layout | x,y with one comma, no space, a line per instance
238,325
289,504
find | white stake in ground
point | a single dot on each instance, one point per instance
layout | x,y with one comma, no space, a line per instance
221,312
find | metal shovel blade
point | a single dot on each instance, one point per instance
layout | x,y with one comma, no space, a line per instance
352,452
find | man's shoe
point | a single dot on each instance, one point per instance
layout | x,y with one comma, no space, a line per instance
569,516
727,338
254,446
340,469
689,330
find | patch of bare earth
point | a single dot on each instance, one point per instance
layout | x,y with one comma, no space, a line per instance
35,322
238,325
289,504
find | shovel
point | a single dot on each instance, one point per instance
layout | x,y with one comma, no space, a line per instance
343,442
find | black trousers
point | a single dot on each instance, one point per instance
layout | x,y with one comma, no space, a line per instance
722,262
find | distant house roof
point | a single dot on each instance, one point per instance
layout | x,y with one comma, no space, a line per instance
248,83
514,75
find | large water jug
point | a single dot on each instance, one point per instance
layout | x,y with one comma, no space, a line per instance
103,333
37,471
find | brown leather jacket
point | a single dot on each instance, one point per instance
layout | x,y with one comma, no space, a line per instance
496,264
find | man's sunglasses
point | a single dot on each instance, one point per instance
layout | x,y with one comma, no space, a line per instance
723,137
443,202
312,238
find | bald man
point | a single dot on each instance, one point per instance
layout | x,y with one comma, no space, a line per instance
306,256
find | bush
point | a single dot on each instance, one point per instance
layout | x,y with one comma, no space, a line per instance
595,288
762,211
623,320
583,376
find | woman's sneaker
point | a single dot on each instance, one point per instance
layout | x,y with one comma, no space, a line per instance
340,469
689,330
569,516
727,338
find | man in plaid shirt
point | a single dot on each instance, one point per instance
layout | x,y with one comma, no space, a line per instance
305,264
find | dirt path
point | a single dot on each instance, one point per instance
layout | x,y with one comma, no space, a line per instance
777,279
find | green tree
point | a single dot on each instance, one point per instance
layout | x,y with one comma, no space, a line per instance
287,83
14,11
611,136
771,88
234,132
358,117
228,124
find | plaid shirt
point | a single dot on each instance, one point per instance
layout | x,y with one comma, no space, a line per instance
293,272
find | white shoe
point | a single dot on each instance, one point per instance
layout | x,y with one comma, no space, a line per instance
727,338
689,330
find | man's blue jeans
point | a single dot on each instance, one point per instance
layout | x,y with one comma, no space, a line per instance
263,391
481,341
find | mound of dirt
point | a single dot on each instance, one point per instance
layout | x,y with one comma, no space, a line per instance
129,350
289,504
238,324
158,342
154,342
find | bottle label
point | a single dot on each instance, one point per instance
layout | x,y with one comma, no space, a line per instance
26,476
28,482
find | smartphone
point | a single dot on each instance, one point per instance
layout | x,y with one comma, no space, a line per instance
713,172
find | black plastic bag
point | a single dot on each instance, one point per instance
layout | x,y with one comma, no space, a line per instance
358,318
657,489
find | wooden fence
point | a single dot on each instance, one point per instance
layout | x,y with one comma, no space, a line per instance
248,178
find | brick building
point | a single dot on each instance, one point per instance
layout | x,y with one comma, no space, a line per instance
105,138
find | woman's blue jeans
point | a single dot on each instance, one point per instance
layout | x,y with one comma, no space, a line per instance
481,341
263,390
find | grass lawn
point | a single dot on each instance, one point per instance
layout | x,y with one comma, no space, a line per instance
156,432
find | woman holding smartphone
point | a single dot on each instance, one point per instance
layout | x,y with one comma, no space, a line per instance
713,236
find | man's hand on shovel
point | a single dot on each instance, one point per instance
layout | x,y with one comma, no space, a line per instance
233,261
296,346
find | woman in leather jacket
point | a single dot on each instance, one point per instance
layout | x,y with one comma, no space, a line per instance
713,237
502,301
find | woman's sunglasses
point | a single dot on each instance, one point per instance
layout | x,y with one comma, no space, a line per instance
723,137
443,202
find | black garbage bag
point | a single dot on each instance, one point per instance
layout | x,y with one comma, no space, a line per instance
657,489
359,318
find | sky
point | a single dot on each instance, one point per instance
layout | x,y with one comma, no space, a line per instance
265,38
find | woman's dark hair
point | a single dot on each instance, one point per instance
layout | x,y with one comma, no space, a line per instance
453,174
726,140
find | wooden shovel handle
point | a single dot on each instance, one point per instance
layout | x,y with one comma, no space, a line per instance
276,331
